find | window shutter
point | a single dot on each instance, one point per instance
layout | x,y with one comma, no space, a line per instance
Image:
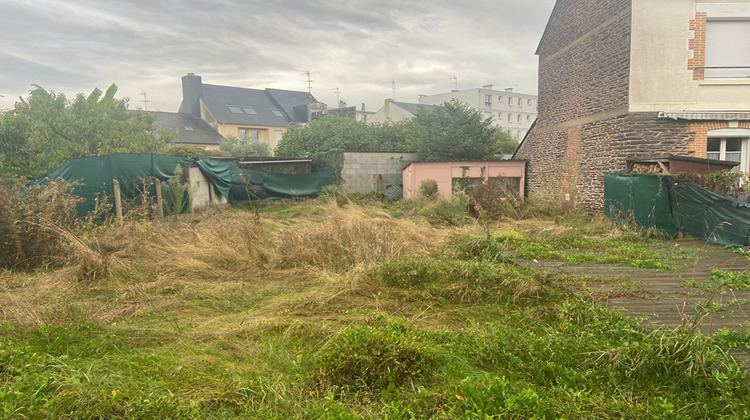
728,45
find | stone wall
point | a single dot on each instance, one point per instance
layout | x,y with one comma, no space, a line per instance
362,170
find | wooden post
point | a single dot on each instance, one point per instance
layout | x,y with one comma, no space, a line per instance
159,200
211,194
118,199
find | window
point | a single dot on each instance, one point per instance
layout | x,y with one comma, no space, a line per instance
249,111
249,134
510,117
188,128
277,134
528,102
724,149
468,185
510,102
519,118
520,102
488,100
234,109
277,112
500,99
503,186
727,49
499,115
528,118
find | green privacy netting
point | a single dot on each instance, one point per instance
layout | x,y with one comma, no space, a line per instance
644,198
93,176
671,205
709,216
237,184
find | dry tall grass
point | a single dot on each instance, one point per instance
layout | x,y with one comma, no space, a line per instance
353,239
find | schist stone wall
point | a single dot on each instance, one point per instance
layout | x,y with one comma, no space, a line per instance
584,129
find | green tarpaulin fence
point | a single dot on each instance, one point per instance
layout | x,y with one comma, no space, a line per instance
671,205
644,198
93,176
238,184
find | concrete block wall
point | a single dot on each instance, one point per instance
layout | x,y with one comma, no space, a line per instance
361,169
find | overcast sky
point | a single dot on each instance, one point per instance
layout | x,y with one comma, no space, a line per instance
357,47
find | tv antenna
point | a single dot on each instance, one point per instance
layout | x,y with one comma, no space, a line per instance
338,96
145,100
393,87
455,82
309,81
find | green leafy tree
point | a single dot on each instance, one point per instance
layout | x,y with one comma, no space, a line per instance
96,124
452,131
232,146
505,143
14,144
328,134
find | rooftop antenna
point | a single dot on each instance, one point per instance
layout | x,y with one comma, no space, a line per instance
393,87
455,82
145,100
309,81
338,95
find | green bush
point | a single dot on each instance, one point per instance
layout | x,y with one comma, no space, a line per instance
366,358
451,211
33,222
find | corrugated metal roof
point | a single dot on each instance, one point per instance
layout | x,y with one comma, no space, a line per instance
705,115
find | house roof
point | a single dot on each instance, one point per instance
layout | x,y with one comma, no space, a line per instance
190,130
269,107
414,108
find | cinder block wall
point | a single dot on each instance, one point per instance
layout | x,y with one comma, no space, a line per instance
584,129
361,169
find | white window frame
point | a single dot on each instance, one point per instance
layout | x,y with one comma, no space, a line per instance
733,133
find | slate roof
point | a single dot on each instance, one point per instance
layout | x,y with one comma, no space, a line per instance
269,107
191,130
414,108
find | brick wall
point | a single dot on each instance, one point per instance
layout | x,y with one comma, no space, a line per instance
698,45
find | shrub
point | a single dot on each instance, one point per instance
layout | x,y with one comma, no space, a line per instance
497,199
451,211
428,189
366,358
33,221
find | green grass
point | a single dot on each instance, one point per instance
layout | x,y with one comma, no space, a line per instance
455,330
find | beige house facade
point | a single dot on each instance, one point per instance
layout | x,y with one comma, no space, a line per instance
628,78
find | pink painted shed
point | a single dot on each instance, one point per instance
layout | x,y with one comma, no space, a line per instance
446,173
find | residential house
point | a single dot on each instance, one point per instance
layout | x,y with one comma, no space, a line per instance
393,111
344,111
512,111
252,115
625,78
190,131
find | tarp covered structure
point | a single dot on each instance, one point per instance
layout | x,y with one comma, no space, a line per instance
93,176
671,205
238,184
